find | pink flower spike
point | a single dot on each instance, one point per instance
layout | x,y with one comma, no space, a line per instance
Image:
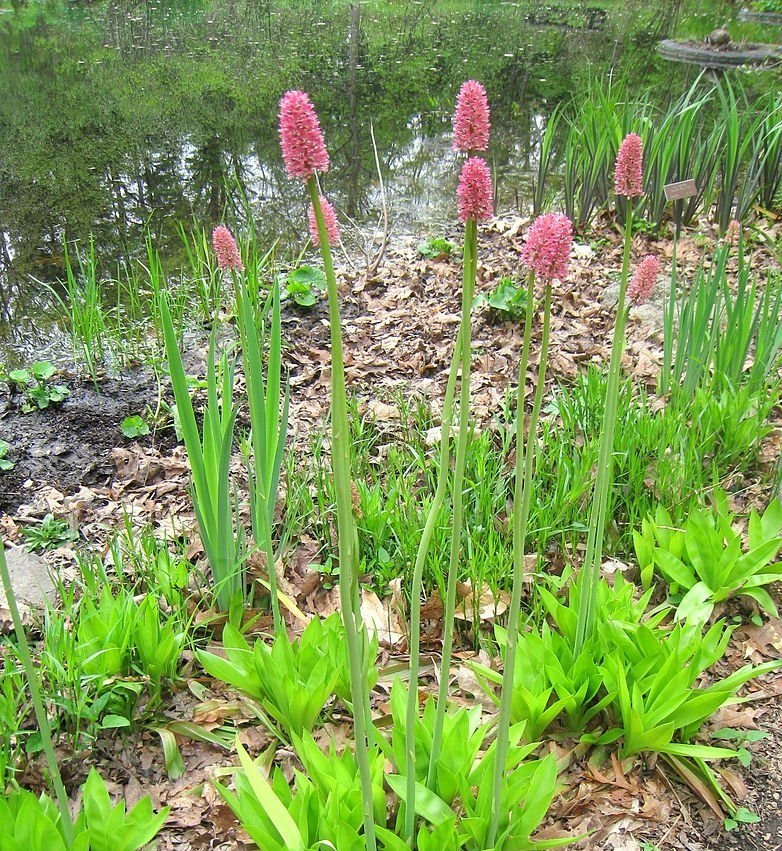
329,217
224,244
474,191
301,138
548,246
642,285
628,175
471,118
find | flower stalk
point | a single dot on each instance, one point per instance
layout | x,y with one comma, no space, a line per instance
589,580
305,154
474,195
424,546
472,129
547,254
35,694
468,287
628,182
522,499
346,527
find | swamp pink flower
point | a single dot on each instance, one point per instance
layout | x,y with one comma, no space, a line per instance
301,138
733,232
628,175
471,118
330,219
547,249
474,191
224,244
642,285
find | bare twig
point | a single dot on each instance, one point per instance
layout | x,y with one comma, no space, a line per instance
373,266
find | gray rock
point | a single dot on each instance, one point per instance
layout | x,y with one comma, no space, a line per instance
610,295
30,579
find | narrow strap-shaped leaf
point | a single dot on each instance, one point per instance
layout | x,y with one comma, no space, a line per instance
274,369
185,407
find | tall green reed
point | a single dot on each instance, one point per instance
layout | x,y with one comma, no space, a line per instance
724,332
714,133
85,309
346,525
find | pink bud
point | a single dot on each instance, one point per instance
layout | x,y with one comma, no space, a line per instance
224,244
301,138
330,219
474,191
733,232
471,118
548,246
642,285
628,176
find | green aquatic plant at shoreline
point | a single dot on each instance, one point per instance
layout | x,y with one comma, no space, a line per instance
35,386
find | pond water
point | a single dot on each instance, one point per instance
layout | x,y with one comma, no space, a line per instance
122,116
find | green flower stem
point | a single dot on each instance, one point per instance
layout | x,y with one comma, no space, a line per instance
468,286
346,529
35,694
589,580
669,318
522,500
417,581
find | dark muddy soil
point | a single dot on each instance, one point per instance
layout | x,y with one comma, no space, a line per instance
69,444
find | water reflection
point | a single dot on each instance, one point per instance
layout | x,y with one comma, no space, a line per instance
126,115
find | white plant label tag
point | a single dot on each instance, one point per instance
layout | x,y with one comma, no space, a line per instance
682,189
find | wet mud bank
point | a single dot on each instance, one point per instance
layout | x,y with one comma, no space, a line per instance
69,444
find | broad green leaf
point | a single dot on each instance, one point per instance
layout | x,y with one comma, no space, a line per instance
427,804
538,800
696,607
674,569
274,808
763,599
